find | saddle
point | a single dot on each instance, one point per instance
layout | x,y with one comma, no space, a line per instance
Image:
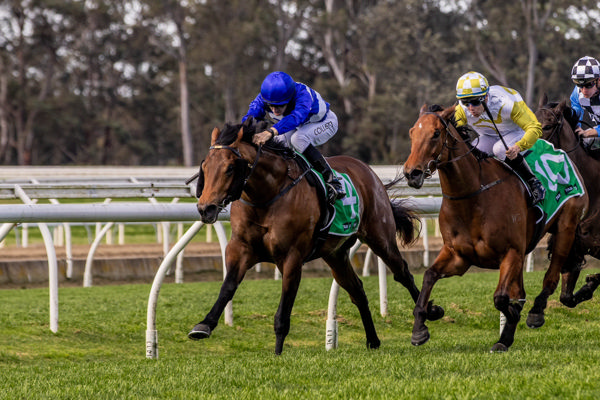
327,210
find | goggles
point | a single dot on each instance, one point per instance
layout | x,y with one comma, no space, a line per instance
586,85
472,101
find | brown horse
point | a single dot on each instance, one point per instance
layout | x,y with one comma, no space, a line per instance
276,220
484,219
558,122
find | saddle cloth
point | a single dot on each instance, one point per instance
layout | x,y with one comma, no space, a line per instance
556,172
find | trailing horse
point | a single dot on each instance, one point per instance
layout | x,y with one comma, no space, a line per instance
276,217
484,219
558,123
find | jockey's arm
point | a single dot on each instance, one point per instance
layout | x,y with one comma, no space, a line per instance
526,120
256,109
459,116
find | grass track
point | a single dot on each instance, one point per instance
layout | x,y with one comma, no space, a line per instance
99,350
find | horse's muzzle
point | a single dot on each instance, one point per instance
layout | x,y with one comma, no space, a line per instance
208,213
415,178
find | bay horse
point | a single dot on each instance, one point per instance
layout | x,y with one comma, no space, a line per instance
484,219
558,124
274,218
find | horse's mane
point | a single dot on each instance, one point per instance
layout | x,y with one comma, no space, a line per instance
568,113
251,126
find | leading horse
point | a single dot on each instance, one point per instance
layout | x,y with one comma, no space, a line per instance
484,219
558,123
276,220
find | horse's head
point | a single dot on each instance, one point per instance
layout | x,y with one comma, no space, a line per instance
224,172
552,116
427,137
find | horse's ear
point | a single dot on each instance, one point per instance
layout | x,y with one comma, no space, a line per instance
543,100
213,136
249,122
448,113
561,106
240,135
423,109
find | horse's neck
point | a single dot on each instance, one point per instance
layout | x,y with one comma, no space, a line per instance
267,177
460,171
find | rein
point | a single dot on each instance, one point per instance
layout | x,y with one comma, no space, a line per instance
558,124
439,163
258,154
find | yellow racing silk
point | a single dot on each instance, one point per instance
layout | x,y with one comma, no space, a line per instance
510,114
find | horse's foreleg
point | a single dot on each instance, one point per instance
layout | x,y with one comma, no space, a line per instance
393,259
346,277
509,297
236,270
446,264
587,291
290,281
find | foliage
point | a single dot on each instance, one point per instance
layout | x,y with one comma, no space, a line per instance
103,82
99,349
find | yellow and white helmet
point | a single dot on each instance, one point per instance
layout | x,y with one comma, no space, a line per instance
471,84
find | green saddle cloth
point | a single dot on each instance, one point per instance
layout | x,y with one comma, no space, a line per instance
556,172
347,216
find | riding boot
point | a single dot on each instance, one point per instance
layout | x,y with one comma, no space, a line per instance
520,166
334,186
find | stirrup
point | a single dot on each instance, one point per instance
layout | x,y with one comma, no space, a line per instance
334,193
538,193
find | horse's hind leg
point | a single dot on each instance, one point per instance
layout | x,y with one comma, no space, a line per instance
387,250
563,257
346,277
236,270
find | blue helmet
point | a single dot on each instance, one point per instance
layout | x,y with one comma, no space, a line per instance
278,88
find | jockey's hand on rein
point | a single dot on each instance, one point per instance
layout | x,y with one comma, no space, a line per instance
262,137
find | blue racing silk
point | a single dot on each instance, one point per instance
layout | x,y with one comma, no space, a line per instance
592,105
306,106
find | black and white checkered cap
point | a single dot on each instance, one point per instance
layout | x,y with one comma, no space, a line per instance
586,68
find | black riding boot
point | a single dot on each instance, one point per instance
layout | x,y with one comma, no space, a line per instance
334,186
535,186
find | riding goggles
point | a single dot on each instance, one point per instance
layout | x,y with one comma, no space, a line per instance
473,101
584,84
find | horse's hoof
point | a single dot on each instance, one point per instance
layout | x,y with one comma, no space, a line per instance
420,337
200,331
499,348
435,312
373,345
535,320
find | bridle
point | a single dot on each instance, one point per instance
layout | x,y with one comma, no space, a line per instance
236,194
437,161
557,127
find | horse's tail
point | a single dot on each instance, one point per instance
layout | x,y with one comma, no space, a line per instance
408,225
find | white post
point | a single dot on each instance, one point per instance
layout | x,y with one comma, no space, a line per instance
331,327
382,287
151,333
87,274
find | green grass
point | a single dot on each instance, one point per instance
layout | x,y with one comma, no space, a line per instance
99,350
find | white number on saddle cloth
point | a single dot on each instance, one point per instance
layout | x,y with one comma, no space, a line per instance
350,198
553,179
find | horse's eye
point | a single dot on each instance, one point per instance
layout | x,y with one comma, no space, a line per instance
436,134
229,170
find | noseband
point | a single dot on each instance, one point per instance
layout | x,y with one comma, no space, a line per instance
437,162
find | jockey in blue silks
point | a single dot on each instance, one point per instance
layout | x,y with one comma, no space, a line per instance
303,121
